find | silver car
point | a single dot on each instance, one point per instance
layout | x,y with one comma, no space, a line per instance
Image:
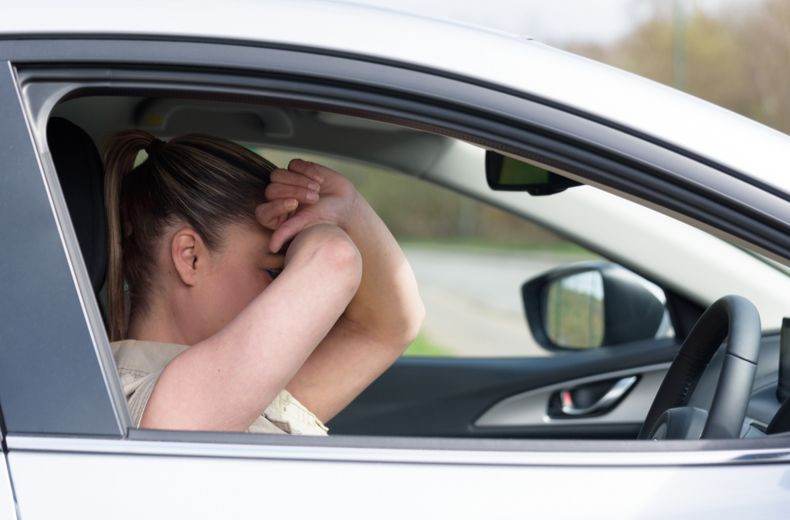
683,207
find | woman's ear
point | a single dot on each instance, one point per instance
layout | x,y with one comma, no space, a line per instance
186,249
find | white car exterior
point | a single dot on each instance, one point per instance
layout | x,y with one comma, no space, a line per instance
130,473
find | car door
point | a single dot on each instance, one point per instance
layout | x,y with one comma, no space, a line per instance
72,451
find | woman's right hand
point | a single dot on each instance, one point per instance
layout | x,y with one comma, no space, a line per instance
323,196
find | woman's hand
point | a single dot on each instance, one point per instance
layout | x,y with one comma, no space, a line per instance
304,195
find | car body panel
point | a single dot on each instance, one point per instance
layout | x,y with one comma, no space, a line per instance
184,479
45,318
546,73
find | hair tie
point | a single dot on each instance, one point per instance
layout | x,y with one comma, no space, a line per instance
154,146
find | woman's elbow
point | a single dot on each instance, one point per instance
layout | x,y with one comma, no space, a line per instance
328,250
340,256
405,329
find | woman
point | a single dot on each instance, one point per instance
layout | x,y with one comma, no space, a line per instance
261,299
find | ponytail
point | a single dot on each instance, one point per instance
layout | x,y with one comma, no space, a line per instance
120,159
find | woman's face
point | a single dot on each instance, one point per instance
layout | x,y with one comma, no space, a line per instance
232,277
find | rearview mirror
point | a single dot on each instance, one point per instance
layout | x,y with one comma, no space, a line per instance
594,304
507,174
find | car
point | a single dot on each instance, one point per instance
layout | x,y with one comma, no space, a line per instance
622,402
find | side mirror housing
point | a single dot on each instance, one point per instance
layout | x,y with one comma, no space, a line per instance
593,304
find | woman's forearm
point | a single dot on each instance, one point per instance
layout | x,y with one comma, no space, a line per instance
382,319
387,304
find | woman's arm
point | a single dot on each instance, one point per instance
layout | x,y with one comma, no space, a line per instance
225,381
384,316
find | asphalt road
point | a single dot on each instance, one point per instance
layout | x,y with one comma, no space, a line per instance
473,299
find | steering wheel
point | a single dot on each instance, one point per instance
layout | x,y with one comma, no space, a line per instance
670,417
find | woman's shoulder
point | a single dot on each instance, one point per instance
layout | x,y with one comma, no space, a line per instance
139,365
144,357
141,362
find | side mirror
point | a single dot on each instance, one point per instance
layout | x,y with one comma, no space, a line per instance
593,304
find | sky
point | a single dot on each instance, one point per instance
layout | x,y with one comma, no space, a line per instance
552,21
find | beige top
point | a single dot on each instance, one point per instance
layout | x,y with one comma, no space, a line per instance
140,363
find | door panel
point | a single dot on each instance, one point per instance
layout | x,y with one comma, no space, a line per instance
450,396
66,478
630,391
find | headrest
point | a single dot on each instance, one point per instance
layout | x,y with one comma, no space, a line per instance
81,175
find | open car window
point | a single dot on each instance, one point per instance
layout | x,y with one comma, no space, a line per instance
477,256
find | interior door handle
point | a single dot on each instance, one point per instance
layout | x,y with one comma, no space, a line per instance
609,398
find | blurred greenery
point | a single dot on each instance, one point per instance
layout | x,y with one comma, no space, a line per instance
422,346
552,249
418,211
435,213
739,59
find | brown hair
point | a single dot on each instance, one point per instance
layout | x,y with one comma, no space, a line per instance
204,181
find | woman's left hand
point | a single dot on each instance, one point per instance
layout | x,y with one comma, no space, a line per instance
322,195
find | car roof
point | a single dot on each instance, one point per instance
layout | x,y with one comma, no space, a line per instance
492,56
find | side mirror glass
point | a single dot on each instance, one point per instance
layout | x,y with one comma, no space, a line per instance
573,314
594,304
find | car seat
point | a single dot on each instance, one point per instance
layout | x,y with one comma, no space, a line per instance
81,174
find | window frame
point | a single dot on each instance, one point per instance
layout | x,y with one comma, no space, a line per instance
53,378
554,135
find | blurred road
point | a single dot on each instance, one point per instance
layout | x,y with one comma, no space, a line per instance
473,299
